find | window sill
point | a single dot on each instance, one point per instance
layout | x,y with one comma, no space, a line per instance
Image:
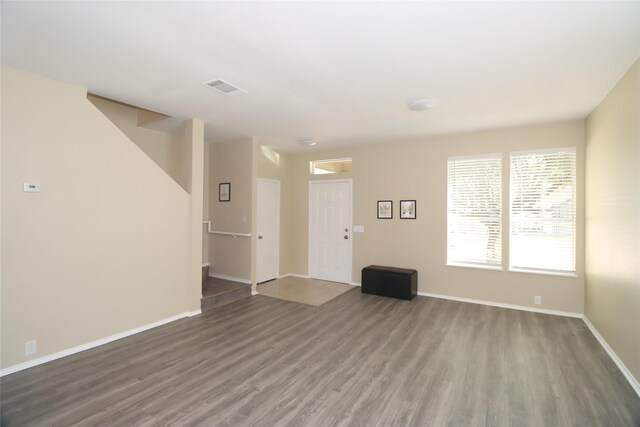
544,272
478,266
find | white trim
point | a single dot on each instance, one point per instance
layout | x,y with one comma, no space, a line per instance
224,233
354,284
556,273
254,293
499,304
566,149
320,181
230,278
92,344
206,264
627,374
302,276
268,180
194,313
229,233
472,265
497,155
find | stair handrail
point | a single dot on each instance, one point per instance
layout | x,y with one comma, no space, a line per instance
224,233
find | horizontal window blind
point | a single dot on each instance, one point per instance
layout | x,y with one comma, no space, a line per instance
543,210
474,217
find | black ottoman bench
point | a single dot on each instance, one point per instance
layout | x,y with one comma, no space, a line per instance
390,282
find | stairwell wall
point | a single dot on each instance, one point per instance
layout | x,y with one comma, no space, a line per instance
170,152
101,249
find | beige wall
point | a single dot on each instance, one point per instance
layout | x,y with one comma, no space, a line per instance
101,249
276,166
170,152
613,219
231,162
418,170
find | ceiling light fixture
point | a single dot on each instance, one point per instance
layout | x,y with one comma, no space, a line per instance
307,142
421,104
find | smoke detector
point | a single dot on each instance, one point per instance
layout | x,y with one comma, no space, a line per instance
421,104
224,87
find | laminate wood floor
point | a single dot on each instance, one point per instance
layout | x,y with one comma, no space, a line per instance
359,360
215,286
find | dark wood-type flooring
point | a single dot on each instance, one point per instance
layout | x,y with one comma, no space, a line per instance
359,360
218,292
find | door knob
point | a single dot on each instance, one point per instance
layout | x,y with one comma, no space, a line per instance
346,237
259,237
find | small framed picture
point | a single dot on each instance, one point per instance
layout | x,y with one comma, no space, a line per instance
407,209
385,209
224,192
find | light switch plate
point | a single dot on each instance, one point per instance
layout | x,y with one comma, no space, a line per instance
358,228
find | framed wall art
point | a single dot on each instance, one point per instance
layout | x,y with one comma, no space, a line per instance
385,209
224,192
407,209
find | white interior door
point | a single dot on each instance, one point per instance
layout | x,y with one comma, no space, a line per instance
330,230
268,227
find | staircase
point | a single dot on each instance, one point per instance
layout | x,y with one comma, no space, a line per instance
219,292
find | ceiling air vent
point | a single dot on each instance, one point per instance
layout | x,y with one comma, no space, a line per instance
224,87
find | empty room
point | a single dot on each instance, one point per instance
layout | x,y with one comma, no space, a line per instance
324,213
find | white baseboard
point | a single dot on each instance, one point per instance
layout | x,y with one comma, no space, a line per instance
354,284
194,313
206,264
254,293
627,374
230,278
89,345
499,304
302,276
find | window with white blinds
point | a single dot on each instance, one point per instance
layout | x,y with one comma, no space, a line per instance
474,211
543,210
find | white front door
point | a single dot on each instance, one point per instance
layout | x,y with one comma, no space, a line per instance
330,230
268,227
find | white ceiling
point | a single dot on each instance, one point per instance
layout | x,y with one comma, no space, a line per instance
337,72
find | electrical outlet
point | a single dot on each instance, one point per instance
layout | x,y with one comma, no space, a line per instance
537,300
30,347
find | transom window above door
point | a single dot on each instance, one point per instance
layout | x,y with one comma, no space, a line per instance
323,167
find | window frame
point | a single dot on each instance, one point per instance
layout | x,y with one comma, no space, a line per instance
498,158
545,221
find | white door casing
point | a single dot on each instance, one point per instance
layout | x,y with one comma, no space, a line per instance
268,228
330,230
